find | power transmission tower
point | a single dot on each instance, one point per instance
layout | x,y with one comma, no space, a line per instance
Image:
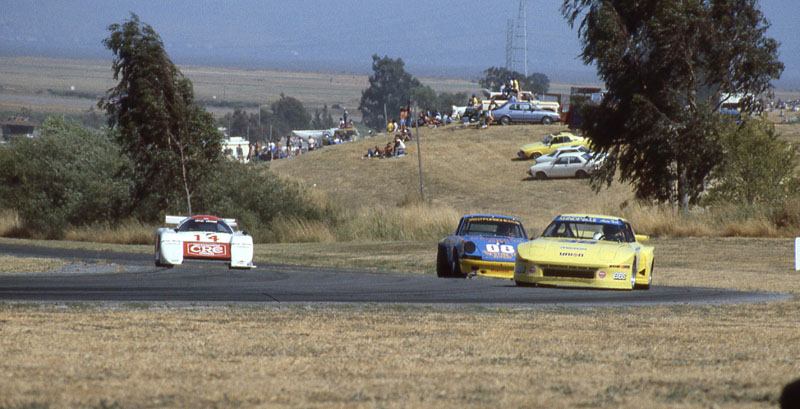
520,45
509,44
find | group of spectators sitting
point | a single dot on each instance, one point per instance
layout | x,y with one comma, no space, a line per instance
393,149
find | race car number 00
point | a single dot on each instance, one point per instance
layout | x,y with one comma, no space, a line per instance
496,248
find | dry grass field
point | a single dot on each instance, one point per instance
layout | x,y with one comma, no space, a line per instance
142,355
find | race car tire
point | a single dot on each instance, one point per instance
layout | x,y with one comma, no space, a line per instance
581,174
505,120
158,257
455,267
442,264
541,176
523,284
535,155
547,121
634,272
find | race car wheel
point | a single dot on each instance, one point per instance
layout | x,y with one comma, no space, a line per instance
523,284
634,271
455,266
535,155
581,174
505,120
547,121
158,257
442,265
541,175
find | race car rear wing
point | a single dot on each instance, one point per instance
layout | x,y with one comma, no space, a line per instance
178,219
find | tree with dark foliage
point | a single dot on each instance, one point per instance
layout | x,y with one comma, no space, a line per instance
172,142
537,83
667,65
389,85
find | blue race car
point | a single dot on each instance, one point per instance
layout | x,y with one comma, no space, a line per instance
483,245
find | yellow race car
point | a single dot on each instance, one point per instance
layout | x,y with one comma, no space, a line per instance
550,143
582,250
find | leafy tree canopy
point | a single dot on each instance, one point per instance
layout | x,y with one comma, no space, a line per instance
151,111
323,119
390,86
756,168
69,175
288,113
495,76
665,64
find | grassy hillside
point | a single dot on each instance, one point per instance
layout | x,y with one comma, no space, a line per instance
467,169
474,170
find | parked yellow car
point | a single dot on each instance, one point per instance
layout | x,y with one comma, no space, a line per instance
583,250
550,143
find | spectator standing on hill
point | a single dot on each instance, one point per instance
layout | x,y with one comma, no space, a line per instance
403,119
345,116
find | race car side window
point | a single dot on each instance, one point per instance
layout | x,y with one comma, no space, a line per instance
558,229
630,237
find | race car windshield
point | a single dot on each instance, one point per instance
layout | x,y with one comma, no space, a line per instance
503,229
212,226
589,231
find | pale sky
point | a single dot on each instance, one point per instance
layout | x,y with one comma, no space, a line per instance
442,38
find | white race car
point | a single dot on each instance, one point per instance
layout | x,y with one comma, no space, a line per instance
205,238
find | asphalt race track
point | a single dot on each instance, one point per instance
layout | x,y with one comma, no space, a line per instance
141,281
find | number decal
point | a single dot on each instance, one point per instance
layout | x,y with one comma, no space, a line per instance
497,248
214,237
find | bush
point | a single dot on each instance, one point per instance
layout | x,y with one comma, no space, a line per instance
757,168
69,175
253,195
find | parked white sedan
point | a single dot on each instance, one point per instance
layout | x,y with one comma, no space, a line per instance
203,237
576,164
560,151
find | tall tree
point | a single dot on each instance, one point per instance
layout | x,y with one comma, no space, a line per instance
322,119
390,86
666,64
493,77
151,112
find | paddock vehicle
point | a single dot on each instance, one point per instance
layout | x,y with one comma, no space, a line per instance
203,237
568,165
523,112
562,151
550,143
498,99
483,245
583,250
